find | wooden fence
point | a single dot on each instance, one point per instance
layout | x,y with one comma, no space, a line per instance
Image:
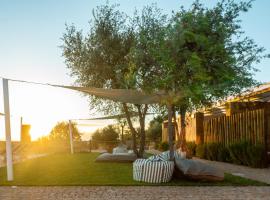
248,125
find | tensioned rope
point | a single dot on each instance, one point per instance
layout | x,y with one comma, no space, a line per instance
30,82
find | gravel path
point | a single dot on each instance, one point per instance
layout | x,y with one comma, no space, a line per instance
136,193
262,175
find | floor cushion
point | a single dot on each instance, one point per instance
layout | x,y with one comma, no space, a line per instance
152,171
165,156
119,157
197,170
120,149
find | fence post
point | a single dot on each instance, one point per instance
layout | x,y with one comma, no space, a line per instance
199,117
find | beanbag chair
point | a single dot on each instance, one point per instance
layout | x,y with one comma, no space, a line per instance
152,171
119,157
165,156
197,170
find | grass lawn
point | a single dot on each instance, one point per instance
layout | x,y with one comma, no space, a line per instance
80,169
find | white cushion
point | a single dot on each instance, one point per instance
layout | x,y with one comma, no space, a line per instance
120,149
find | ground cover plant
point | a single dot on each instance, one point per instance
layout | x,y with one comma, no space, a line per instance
80,169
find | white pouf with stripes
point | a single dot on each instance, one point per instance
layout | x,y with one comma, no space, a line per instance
153,171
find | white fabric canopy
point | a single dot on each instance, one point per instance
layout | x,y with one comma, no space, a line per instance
122,95
119,95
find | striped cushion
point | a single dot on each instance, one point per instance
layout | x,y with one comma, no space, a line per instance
152,171
165,156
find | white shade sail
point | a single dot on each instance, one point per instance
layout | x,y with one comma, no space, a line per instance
122,95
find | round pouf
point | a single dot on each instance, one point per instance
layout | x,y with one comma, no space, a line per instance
152,171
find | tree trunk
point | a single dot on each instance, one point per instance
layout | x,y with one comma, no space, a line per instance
122,133
176,128
170,132
142,128
183,129
132,129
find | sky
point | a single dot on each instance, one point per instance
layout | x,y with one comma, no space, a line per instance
30,36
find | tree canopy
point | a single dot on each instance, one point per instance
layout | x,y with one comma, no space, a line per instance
204,55
60,132
104,59
201,53
106,134
154,131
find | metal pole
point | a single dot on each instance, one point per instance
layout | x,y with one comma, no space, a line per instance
8,132
70,137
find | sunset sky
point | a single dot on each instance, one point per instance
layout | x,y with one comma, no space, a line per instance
29,50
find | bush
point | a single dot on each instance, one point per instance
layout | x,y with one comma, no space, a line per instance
201,151
224,154
246,153
191,148
164,146
241,153
257,157
237,153
212,151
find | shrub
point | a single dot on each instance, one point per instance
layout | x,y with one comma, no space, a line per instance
191,148
201,151
246,153
212,151
224,154
235,151
164,146
257,157
241,153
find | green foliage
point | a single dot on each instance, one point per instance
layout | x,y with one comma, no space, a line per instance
108,57
191,148
197,55
257,156
241,153
212,150
224,154
164,146
248,154
201,151
106,134
100,58
154,131
204,55
238,153
106,137
60,132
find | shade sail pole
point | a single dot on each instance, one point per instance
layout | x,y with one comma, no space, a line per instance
170,132
8,131
71,137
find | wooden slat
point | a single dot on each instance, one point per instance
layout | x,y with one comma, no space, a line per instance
226,130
